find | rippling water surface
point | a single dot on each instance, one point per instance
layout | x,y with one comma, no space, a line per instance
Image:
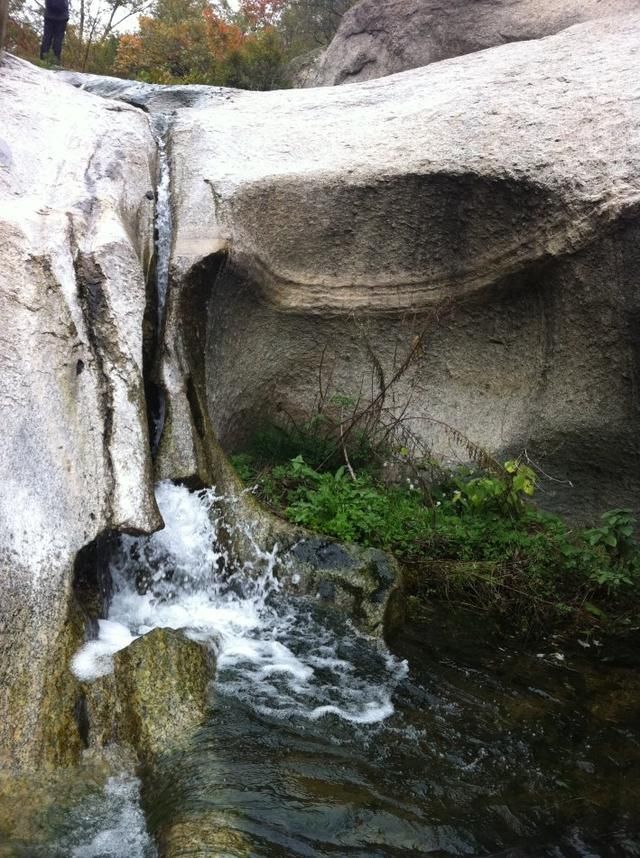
321,743
487,752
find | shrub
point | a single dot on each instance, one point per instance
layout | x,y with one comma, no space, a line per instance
475,537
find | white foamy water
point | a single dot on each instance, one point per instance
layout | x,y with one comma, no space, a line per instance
107,823
272,651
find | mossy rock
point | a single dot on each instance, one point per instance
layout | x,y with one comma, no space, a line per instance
32,802
362,582
162,683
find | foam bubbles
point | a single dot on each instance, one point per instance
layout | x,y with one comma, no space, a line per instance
272,651
124,831
94,659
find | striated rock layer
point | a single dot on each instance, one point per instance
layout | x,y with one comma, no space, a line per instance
377,39
489,202
76,232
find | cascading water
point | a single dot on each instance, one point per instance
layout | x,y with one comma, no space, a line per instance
321,743
272,650
163,237
163,218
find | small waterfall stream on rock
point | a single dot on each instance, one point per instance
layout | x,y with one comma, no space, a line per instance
271,649
163,228
320,742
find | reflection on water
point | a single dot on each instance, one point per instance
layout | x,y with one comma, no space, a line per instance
321,743
489,752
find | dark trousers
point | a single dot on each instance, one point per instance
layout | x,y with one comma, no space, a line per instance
53,36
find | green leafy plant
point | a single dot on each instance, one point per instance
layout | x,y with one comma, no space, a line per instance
473,537
615,535
615,539
504,494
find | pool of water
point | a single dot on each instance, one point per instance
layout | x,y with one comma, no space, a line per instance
320,742
491,750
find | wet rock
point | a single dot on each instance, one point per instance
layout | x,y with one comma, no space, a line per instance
364,583
203,837
377,39
75,236
157,696
31,803
616,701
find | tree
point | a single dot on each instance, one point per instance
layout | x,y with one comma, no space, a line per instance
258,63
90,41
184,41
308,24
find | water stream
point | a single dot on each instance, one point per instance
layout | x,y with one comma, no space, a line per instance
321,743
272,650
163,237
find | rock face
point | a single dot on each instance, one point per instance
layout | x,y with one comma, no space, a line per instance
76,236
377,39
488,203
156,697
486,208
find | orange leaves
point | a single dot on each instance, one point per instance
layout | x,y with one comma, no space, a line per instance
222,36
129,53
190,41
261,13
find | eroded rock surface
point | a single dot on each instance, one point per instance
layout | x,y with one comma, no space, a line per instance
489,202
377,39
76,237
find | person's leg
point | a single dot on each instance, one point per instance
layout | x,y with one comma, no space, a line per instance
47,37
58,36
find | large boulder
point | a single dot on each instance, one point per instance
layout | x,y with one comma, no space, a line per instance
489,203
377,39
156,697
76,237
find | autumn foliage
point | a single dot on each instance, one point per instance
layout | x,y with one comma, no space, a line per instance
247,45
187,41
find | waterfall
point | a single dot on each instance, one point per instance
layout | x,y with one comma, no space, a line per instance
274,651
163,234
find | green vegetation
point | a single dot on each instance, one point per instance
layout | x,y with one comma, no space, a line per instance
474,537
247,44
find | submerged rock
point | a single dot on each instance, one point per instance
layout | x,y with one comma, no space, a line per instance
203,837
377,39
76,233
